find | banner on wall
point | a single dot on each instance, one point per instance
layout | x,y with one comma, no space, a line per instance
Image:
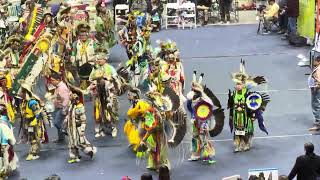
317,43
306,20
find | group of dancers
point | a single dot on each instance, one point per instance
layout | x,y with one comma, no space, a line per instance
67,52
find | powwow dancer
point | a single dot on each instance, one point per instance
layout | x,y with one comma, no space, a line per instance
203,104
104,86
33,120
5,86
245,107
105,26
174,68
151,116
154,140
76,123
131,128
83,53
11,53
9,159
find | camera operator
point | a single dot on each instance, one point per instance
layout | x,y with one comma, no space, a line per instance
270,14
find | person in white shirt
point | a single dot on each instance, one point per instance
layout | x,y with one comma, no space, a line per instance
314,85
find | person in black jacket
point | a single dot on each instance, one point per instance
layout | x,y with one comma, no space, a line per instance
146,176
293,14
225,6
283,17
307,167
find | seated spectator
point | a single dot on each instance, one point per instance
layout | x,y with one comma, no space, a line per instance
307,167
164,173
270,15
204,6
146,176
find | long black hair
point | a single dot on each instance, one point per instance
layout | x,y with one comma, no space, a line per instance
146,176
164,173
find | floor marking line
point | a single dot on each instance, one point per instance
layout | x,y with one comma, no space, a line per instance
237,55
267,137
302,89
185,142
274,90
261,137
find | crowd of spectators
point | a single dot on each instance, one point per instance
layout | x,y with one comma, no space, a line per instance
203,8
284,14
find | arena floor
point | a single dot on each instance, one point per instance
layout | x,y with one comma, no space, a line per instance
215,51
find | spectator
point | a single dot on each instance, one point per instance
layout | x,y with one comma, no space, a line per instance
283,18
146,176
271,14
261,176
293,13
140,5
204,6
62,94
313,83
225,6
156,14
164,173
253,177
307,167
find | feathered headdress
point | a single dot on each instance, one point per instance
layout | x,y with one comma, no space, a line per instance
244,78
241,76
197,84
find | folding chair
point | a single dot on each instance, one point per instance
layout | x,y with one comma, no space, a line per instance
189,15
121,11
172,20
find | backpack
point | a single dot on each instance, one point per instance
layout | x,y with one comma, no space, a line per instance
298,41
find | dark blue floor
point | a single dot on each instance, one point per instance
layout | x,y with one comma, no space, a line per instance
215,51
